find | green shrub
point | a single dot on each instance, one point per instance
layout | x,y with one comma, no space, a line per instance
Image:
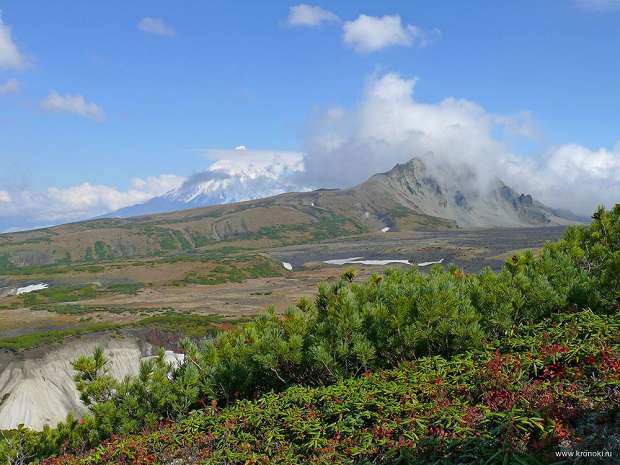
125,288
516,401
59,294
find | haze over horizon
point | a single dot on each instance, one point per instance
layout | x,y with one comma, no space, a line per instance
147,97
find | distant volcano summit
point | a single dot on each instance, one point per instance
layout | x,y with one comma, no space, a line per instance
226,181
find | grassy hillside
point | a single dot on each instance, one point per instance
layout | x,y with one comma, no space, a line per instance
164,235
285,219
243,225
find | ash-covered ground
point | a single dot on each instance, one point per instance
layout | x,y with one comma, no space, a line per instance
470,249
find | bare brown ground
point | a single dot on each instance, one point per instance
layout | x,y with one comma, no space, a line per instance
471,250
232,299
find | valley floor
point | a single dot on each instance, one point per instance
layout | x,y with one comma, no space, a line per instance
197,286
165,295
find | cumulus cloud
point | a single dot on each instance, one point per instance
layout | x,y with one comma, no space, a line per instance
58,205
372,33
154,185
309,15
239,175
11,86
599,6
366,33
253,163
75,104
521,124
389,126
10,56
233,175
575,177
155,26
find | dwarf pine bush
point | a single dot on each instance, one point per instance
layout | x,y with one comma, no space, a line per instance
547,387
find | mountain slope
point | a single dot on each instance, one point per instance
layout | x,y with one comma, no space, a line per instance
454,196
408,197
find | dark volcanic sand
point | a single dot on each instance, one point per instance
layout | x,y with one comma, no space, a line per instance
470,249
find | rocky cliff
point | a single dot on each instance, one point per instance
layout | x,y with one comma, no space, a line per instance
37,388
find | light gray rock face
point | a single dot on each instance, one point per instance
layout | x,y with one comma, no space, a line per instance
37,388
451,194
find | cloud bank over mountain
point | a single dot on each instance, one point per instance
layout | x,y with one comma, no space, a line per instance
343,147
233,176
390,126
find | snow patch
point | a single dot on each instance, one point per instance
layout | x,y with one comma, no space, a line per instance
31,288
288,266
342,261
438,262
361,261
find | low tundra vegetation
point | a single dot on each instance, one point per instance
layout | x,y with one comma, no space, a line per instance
402,368
516,401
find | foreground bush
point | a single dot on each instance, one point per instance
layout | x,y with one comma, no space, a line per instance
551,387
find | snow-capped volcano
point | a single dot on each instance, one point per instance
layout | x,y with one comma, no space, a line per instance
236,176
229,181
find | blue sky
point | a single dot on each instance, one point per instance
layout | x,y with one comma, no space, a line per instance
224,73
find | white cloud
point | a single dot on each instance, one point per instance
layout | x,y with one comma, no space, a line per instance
390,126
155,26
11,86
57,205
372,33
10,56
309,15
252,163
232,176
236,176
519,125
575,177
155,185
241,147
76,104
599,6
